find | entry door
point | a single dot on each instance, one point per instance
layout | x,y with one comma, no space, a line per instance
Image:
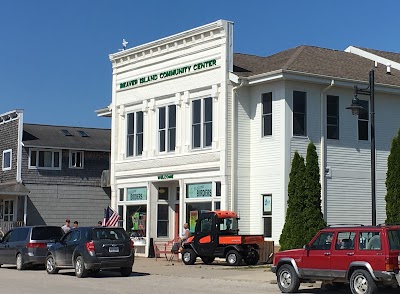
8,210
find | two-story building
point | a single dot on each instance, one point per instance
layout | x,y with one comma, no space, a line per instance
196,127
51,173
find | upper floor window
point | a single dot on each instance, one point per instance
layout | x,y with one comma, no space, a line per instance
76,159
135,133
6,162
332,118
44,159
299,113
167,128
267,114
202,116
363,121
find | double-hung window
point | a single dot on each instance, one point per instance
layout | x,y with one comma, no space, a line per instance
134,133
299,113
76,159
363,121
267,114
167,128
6,162
332,118
44,159
202,123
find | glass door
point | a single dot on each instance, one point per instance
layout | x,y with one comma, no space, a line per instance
8,215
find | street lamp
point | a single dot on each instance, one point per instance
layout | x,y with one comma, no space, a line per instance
355,110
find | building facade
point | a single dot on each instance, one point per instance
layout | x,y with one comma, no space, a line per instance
51,173
196,127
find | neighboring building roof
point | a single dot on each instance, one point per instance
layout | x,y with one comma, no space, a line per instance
54,137
385,54
13,188
316,61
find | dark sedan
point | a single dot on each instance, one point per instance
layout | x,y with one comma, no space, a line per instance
90,249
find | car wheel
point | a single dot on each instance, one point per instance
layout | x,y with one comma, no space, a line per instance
80,270
251,258
51,265
207,259
126,271
361,282
20,262
233,257
188,256
288,281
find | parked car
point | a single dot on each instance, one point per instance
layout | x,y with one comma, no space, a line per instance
27,246
363,257
90,249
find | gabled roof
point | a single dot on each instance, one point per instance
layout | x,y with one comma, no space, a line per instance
315,61
52,137
385,54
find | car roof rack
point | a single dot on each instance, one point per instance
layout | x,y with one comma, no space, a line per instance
344,225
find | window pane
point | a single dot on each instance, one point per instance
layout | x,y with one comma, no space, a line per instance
161,118
163,193
298,124
364,112
196,111
332,132
299,101
130,123
121,196
139,122
171,140
332,105
33,158
7,159
208,109
139,142
267,103
162,221
268,227
217,188
363,130
162,141
48,159
196,136
370,241
130,146
172,116
267,125
57,159
208,134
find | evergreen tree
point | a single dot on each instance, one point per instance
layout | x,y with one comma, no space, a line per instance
393,183
313,217
293,231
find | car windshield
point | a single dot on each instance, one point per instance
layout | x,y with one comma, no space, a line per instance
109,234
46,233
394,239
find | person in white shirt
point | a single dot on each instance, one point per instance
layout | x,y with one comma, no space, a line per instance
66,228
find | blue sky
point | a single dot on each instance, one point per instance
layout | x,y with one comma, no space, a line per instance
54,54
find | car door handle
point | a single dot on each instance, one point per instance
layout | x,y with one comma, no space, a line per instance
350,253
327,253
379,253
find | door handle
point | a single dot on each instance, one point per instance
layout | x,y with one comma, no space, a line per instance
327,253
379,253
350,253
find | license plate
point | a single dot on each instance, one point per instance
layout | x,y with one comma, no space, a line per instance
113,249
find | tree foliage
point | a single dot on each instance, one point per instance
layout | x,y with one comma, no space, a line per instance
393,183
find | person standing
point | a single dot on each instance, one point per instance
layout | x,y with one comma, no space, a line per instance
75,225
185,233
66,227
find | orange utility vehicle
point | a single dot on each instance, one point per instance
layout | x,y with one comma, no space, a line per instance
216,235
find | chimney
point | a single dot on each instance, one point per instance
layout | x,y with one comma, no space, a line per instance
388,67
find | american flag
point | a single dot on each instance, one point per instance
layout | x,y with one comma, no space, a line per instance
110,217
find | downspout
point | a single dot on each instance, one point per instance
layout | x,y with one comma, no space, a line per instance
323,149
233,148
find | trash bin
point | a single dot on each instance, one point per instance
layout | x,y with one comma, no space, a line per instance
151,249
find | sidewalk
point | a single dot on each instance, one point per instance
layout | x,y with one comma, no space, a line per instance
217,270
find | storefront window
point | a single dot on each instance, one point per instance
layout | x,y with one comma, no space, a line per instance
192,213
136,220
163,193
201,190
136,194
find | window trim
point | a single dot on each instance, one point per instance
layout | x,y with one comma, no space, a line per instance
135,135
167,128
202,124
53,151
82,159
337,125
267,95
3,160
267,213
304,114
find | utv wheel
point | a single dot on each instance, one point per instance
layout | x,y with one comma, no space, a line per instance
51,265
361,282
233,257
188,256
20,262
207,259
288,281
251,258
126,271
80,270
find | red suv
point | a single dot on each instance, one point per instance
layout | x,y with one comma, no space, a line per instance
363,256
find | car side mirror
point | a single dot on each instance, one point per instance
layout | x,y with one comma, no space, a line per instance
306,247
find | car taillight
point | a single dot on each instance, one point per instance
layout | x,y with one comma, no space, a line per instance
90,246
36,245
132,244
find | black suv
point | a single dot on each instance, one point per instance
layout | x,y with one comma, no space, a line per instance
90,249
27,246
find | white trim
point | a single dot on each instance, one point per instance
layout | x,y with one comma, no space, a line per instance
19,147
3,161
37,159
64,147
82,159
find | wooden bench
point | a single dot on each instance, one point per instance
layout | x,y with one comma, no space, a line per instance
165,248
